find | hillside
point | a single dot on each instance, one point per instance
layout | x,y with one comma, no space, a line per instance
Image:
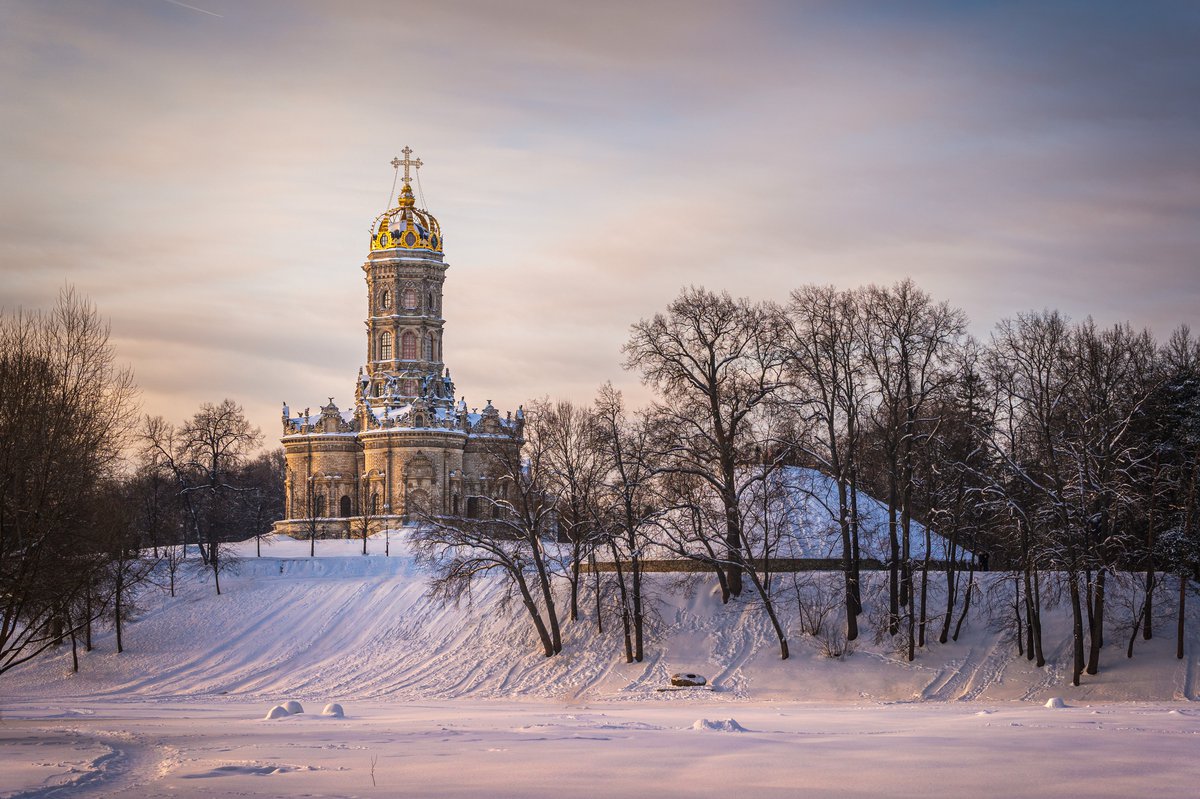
345,626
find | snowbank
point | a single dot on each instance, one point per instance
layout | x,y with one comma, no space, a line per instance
342,626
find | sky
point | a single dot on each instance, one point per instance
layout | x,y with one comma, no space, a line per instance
206,172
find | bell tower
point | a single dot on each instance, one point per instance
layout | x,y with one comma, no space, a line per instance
405,272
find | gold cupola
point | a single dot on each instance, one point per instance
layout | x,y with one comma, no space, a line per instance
405,226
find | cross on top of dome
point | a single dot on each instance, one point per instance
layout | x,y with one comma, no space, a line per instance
406,163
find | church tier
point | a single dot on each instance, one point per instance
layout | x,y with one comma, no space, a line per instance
407,448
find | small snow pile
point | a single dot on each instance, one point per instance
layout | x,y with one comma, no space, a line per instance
719,725
333,710
1055,703
277,712
293,707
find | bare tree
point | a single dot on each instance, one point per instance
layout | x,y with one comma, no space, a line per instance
713,360
908,339
509,541
628,505
66,410
573,473
827,388
205,455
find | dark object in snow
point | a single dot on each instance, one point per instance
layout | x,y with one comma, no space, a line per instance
687,679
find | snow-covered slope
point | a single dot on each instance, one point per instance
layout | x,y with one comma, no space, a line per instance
810,504
342,626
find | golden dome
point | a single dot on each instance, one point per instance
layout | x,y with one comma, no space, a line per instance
406,227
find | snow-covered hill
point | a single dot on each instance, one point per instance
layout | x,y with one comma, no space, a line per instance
342,626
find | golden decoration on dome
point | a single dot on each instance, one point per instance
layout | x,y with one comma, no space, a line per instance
406,226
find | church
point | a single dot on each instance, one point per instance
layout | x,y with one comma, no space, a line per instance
407,446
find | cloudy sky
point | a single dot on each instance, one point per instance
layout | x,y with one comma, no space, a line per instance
206,171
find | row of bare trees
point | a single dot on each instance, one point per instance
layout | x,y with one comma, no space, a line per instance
1064,452
83,525
66,411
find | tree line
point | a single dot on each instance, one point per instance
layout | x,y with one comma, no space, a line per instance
1064,454
97,501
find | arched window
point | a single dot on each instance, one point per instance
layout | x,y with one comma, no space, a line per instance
410,299
318,506
385,299
385,346
375,504
429,346
408,346
345,506
409,386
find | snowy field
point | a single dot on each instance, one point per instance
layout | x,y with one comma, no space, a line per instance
457,702
675,749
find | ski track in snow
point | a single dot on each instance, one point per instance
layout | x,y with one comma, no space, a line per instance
127,762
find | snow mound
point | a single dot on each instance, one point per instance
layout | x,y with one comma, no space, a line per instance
277,712
718,725
334,710
1055,703
293,707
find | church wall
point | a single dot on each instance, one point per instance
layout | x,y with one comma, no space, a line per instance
412,463
321,465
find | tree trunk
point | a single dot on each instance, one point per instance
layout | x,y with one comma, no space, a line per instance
596,585
894,560
769,606
575,568
1076,629
1147,609
1017,608
635,566
626,622
531,606
120,589
967,598
924,587
216,569
547,595
856,554
87,629
1182,616
1096,634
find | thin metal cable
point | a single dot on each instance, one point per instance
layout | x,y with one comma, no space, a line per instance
420,191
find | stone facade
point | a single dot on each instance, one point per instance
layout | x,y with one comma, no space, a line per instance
406,447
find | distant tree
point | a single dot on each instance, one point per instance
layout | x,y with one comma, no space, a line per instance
205,455
628,503
261,494
567,435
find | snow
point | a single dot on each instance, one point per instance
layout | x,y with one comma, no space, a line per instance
449,702
277,712
722,725
293,707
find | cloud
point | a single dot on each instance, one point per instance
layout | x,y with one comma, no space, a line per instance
209,181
